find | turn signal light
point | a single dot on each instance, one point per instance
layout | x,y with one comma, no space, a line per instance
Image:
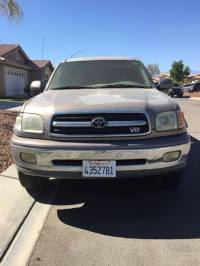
181,119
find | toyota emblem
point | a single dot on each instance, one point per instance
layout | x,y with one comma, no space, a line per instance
98,122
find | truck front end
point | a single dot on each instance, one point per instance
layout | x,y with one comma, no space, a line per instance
100,118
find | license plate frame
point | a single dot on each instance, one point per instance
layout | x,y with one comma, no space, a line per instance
96,168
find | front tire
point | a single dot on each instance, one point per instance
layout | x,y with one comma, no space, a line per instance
169,181
30,182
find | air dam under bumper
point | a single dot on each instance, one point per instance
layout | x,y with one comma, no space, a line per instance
47,155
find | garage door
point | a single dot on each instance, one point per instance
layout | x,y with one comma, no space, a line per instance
15,81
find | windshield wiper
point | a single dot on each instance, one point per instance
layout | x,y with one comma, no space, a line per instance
120,85
71,87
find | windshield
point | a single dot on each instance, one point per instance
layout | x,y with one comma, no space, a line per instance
101,74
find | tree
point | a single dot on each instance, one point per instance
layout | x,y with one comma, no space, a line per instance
179,72
186,71
153,69
10,9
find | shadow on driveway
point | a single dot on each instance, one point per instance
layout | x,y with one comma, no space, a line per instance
134,208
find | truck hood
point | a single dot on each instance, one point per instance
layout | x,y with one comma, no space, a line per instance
122,100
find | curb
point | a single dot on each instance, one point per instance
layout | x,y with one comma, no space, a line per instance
21,217
195,98
15,203
21,248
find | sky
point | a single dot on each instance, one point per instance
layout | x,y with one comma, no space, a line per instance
154,31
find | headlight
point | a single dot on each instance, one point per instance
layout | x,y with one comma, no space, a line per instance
166,121
29,123
170,121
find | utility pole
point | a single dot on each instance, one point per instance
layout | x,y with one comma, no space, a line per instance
43,48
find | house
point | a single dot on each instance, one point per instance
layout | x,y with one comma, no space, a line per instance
156,79
17,70
161,76
190,79
193,78
164,75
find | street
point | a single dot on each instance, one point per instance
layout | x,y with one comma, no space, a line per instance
126,222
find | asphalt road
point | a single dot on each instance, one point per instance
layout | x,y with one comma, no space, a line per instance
126,222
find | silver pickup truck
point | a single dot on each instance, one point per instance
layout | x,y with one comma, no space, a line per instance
100,118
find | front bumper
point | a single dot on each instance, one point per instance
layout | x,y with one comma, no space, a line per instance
48,151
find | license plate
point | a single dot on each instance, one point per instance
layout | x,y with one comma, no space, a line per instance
99,169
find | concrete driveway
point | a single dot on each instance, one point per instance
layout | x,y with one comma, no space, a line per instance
127,222
12,105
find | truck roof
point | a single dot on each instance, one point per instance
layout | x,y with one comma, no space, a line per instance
100,58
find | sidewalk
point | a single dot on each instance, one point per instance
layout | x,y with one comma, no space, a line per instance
22,215
15,203
195,98
11,106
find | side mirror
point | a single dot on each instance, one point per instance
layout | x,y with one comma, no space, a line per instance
35,87
165,84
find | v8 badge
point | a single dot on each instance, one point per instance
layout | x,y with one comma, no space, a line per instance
134,129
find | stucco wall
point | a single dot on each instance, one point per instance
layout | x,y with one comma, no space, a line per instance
47,72
2,84
35,75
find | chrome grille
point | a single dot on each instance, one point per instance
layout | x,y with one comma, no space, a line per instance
117,124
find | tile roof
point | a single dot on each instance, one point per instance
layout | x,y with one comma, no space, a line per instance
35,64
164,74
194,75
5,48
40,63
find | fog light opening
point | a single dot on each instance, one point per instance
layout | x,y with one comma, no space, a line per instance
171,156
28,157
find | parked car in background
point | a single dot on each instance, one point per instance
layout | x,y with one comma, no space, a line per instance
176,91
195,87
191,87
186,87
